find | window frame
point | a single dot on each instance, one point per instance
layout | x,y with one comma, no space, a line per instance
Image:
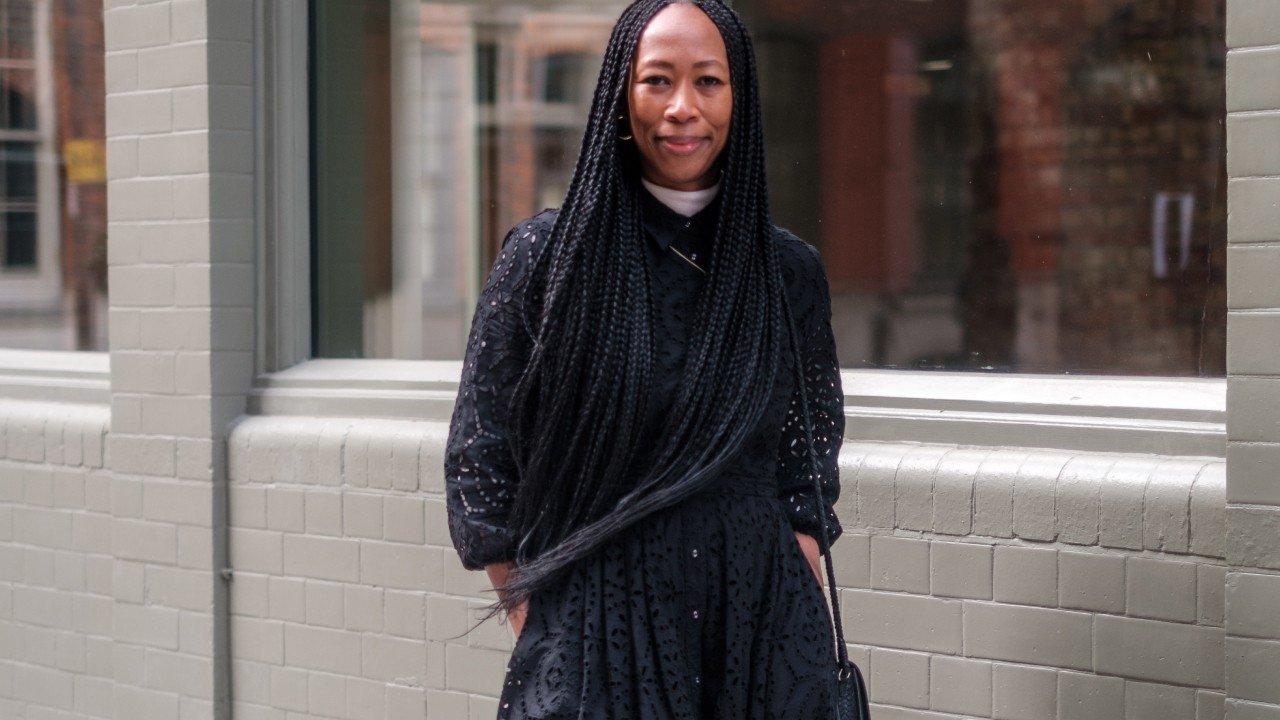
282,185
1146,414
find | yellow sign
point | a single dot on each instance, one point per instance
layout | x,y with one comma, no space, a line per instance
86,160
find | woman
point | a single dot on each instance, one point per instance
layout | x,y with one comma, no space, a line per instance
626,458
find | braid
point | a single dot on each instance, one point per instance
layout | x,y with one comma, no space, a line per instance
578,407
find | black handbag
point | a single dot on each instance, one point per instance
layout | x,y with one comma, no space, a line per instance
851,701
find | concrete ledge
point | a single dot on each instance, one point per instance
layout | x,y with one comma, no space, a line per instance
1094,413
405,455
51,376
53,433
961,498
1115,500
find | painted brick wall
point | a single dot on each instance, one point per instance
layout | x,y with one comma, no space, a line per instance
344,589
1032,584
180,219
976,582
1253,363
56,566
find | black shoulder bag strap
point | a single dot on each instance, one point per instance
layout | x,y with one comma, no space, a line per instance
851,700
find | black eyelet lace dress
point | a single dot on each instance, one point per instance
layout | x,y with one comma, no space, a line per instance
707,609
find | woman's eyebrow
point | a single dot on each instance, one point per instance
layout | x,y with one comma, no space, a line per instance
669,65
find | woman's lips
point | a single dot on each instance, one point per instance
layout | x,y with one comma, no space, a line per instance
681,146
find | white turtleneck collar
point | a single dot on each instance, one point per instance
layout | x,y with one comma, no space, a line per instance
685,202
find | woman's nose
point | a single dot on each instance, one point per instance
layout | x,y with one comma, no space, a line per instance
682,107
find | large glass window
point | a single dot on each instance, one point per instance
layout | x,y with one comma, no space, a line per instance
1028,186
52,176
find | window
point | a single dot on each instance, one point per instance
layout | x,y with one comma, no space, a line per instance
563,78
1007,187
52,176
427,143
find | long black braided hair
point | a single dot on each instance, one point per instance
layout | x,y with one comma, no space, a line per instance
577,408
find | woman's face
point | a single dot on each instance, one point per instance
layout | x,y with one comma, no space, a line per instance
680,101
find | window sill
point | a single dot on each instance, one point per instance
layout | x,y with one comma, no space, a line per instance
55,376
1168,416
409,389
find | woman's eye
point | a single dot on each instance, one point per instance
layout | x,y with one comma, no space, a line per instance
654,80
711,80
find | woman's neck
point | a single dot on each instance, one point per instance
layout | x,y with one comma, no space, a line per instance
684,202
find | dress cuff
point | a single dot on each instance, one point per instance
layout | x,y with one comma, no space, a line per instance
481,541
802,512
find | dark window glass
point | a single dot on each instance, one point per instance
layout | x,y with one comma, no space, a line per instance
563,75
19,239
17,99
486,72
18,171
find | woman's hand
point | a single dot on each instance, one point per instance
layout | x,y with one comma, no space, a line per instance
517,617
498,573
812,553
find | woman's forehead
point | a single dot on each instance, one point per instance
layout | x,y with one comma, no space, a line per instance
680,33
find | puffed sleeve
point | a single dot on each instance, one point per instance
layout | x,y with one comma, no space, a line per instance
480,473
812,310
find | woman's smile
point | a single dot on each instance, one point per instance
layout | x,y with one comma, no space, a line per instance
682,145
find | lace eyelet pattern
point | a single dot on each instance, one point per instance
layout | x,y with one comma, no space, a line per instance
706,609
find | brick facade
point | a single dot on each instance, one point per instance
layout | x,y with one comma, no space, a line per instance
180,222
977,581
1252,650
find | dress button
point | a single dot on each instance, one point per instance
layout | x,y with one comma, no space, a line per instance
695,552
697,679
695,614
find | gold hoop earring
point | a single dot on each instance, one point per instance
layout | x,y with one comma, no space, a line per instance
622,137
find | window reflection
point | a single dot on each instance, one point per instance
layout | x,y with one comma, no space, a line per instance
52,176
995,186
437,126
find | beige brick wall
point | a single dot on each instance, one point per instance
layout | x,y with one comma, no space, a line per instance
180,241
345,583
56,566
976,582
1002,583
1252,643
1033,584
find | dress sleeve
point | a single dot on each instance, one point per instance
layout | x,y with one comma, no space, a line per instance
480,474
821,368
